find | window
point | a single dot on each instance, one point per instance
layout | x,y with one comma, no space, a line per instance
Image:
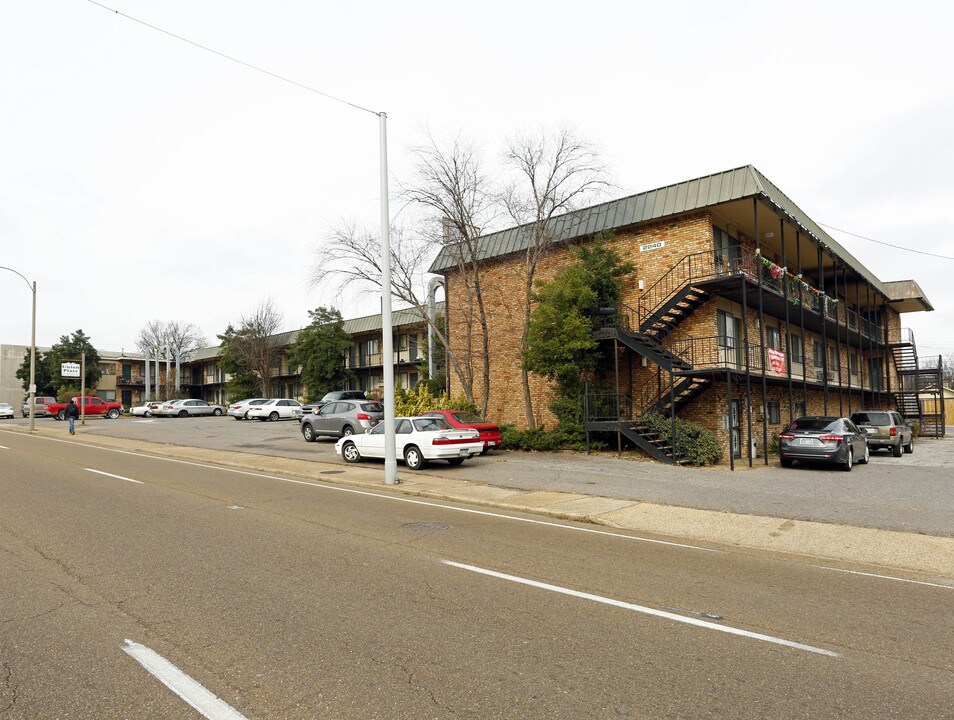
127,371
412,347
773,338
798,351
818,354
800,409
772,410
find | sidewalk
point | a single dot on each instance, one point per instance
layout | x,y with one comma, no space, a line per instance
884,550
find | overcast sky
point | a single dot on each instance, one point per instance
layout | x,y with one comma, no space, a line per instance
143,178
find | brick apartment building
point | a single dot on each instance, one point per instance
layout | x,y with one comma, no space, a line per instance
737,294
202,375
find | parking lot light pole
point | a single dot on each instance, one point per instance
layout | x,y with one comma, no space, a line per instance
32,391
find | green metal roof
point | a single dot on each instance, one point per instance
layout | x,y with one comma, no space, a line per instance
688,196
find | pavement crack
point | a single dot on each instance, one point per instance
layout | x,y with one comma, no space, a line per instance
10,687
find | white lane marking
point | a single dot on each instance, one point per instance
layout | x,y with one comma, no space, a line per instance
449,507
884,577
645,610
4,447
118,477
204,702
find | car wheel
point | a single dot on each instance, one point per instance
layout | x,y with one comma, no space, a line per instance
909,448
183,413
413,458
867,456
245,416
61,415
347,430
113,414
308,432
273,416
786,462
896,449
846,466
350,453
217,412
147,414
455,461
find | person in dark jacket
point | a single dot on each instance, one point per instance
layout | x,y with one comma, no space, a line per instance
72,414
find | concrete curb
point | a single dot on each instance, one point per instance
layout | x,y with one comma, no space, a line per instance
885,549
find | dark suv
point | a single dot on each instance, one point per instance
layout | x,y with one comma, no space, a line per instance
331,397
885,429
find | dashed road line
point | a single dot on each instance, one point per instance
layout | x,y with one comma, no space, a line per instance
645,610
204,702
118,477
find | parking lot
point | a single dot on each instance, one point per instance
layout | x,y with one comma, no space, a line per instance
913,493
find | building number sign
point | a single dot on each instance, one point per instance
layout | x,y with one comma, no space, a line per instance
652,246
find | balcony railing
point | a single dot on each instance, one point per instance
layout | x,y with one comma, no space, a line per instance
377,359
702,266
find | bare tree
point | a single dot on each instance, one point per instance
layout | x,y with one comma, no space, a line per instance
350,256
150,341
256,343
451,184
182,339
947,364
555,173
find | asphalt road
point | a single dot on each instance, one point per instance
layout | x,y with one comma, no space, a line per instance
913,493
295,599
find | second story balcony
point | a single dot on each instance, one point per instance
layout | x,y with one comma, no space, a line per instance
783,293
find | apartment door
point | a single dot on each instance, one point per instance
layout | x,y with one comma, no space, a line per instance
726,250
729,339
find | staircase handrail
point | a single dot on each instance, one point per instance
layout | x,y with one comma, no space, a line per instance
695,266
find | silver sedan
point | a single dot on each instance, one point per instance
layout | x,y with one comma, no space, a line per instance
186,408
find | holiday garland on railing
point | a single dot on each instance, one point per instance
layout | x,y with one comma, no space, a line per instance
795,283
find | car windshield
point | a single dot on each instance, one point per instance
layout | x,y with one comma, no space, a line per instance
468,418
873,418
817,424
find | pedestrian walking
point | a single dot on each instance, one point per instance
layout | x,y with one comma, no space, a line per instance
72,413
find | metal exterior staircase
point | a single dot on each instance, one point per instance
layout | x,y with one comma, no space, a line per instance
663,319
905,355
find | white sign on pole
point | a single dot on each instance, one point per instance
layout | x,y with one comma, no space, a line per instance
70,369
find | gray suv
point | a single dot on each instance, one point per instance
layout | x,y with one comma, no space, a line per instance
885,429
342,417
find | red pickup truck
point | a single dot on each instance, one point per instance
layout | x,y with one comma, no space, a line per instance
89,406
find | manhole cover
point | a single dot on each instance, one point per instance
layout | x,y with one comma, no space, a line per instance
425,526
331,472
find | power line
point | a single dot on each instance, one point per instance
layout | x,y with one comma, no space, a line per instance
896,247
235,60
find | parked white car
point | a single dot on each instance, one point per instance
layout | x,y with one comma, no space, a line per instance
276,409
6,410
417,440
239,410
144,410
186,408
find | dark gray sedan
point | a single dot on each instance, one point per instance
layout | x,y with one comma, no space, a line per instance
823,440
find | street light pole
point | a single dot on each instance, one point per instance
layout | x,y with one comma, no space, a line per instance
32,390
387,341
